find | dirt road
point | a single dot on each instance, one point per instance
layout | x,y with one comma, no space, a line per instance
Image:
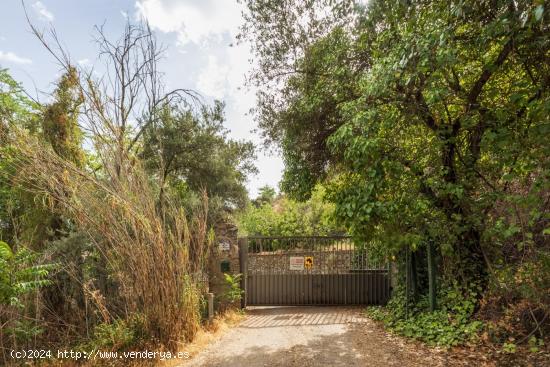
315,336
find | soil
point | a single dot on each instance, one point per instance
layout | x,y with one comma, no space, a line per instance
321,336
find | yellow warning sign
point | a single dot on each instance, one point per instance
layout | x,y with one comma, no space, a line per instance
308,262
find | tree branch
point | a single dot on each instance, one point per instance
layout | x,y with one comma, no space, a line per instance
486,74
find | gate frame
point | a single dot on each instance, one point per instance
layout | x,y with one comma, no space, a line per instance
243,268
243,265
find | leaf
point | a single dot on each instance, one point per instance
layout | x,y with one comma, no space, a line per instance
5,251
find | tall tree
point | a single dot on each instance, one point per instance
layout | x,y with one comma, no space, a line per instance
422,115
192,152
60,122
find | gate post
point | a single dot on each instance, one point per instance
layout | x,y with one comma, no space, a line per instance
431,276
243,268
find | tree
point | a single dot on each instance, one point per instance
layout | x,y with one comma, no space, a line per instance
422,116
126,99
17,110
192,152
293,111
20,274
56,124
284,216
60,122
266,195
131,243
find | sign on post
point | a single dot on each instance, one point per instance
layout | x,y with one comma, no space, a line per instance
224,246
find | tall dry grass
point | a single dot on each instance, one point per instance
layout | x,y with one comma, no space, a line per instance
149,246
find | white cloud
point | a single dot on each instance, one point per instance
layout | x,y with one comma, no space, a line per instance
42,11
213,79
13,58
205,23
212,25
124,14
193,20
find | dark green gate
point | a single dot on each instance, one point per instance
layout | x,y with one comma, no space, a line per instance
277,271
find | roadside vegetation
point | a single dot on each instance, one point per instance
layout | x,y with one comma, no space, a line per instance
278,215
419,128
428,125
108,196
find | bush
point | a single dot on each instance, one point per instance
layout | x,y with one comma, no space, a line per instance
234,293
150,252
121,334
19,274
450,325
286,217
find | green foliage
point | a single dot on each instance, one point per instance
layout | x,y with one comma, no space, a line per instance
119,335
20,274
509,347
57,124
425,121
303,78
450,325
234,293
535,344
95,212
191,152
266,195
15,107
420,117
23,330
60,121
16,110
286,217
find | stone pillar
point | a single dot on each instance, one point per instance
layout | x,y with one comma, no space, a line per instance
223,259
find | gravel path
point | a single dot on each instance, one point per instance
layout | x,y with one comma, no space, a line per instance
316,336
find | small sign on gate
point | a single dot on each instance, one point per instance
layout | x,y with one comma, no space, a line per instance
296,263
309,262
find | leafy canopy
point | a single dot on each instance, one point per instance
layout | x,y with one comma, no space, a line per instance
421,116
192,152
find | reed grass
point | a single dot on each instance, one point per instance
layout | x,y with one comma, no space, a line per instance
151,248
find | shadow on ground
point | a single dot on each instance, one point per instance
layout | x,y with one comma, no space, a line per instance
269,317
319,336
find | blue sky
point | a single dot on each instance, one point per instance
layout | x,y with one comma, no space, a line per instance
197,34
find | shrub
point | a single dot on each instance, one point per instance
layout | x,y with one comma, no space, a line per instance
19,274
234,293
286,217
450,325
119,335
150,248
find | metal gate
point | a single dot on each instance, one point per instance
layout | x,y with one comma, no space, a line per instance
312,270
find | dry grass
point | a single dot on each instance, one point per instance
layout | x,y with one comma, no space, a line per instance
208,334
147,244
